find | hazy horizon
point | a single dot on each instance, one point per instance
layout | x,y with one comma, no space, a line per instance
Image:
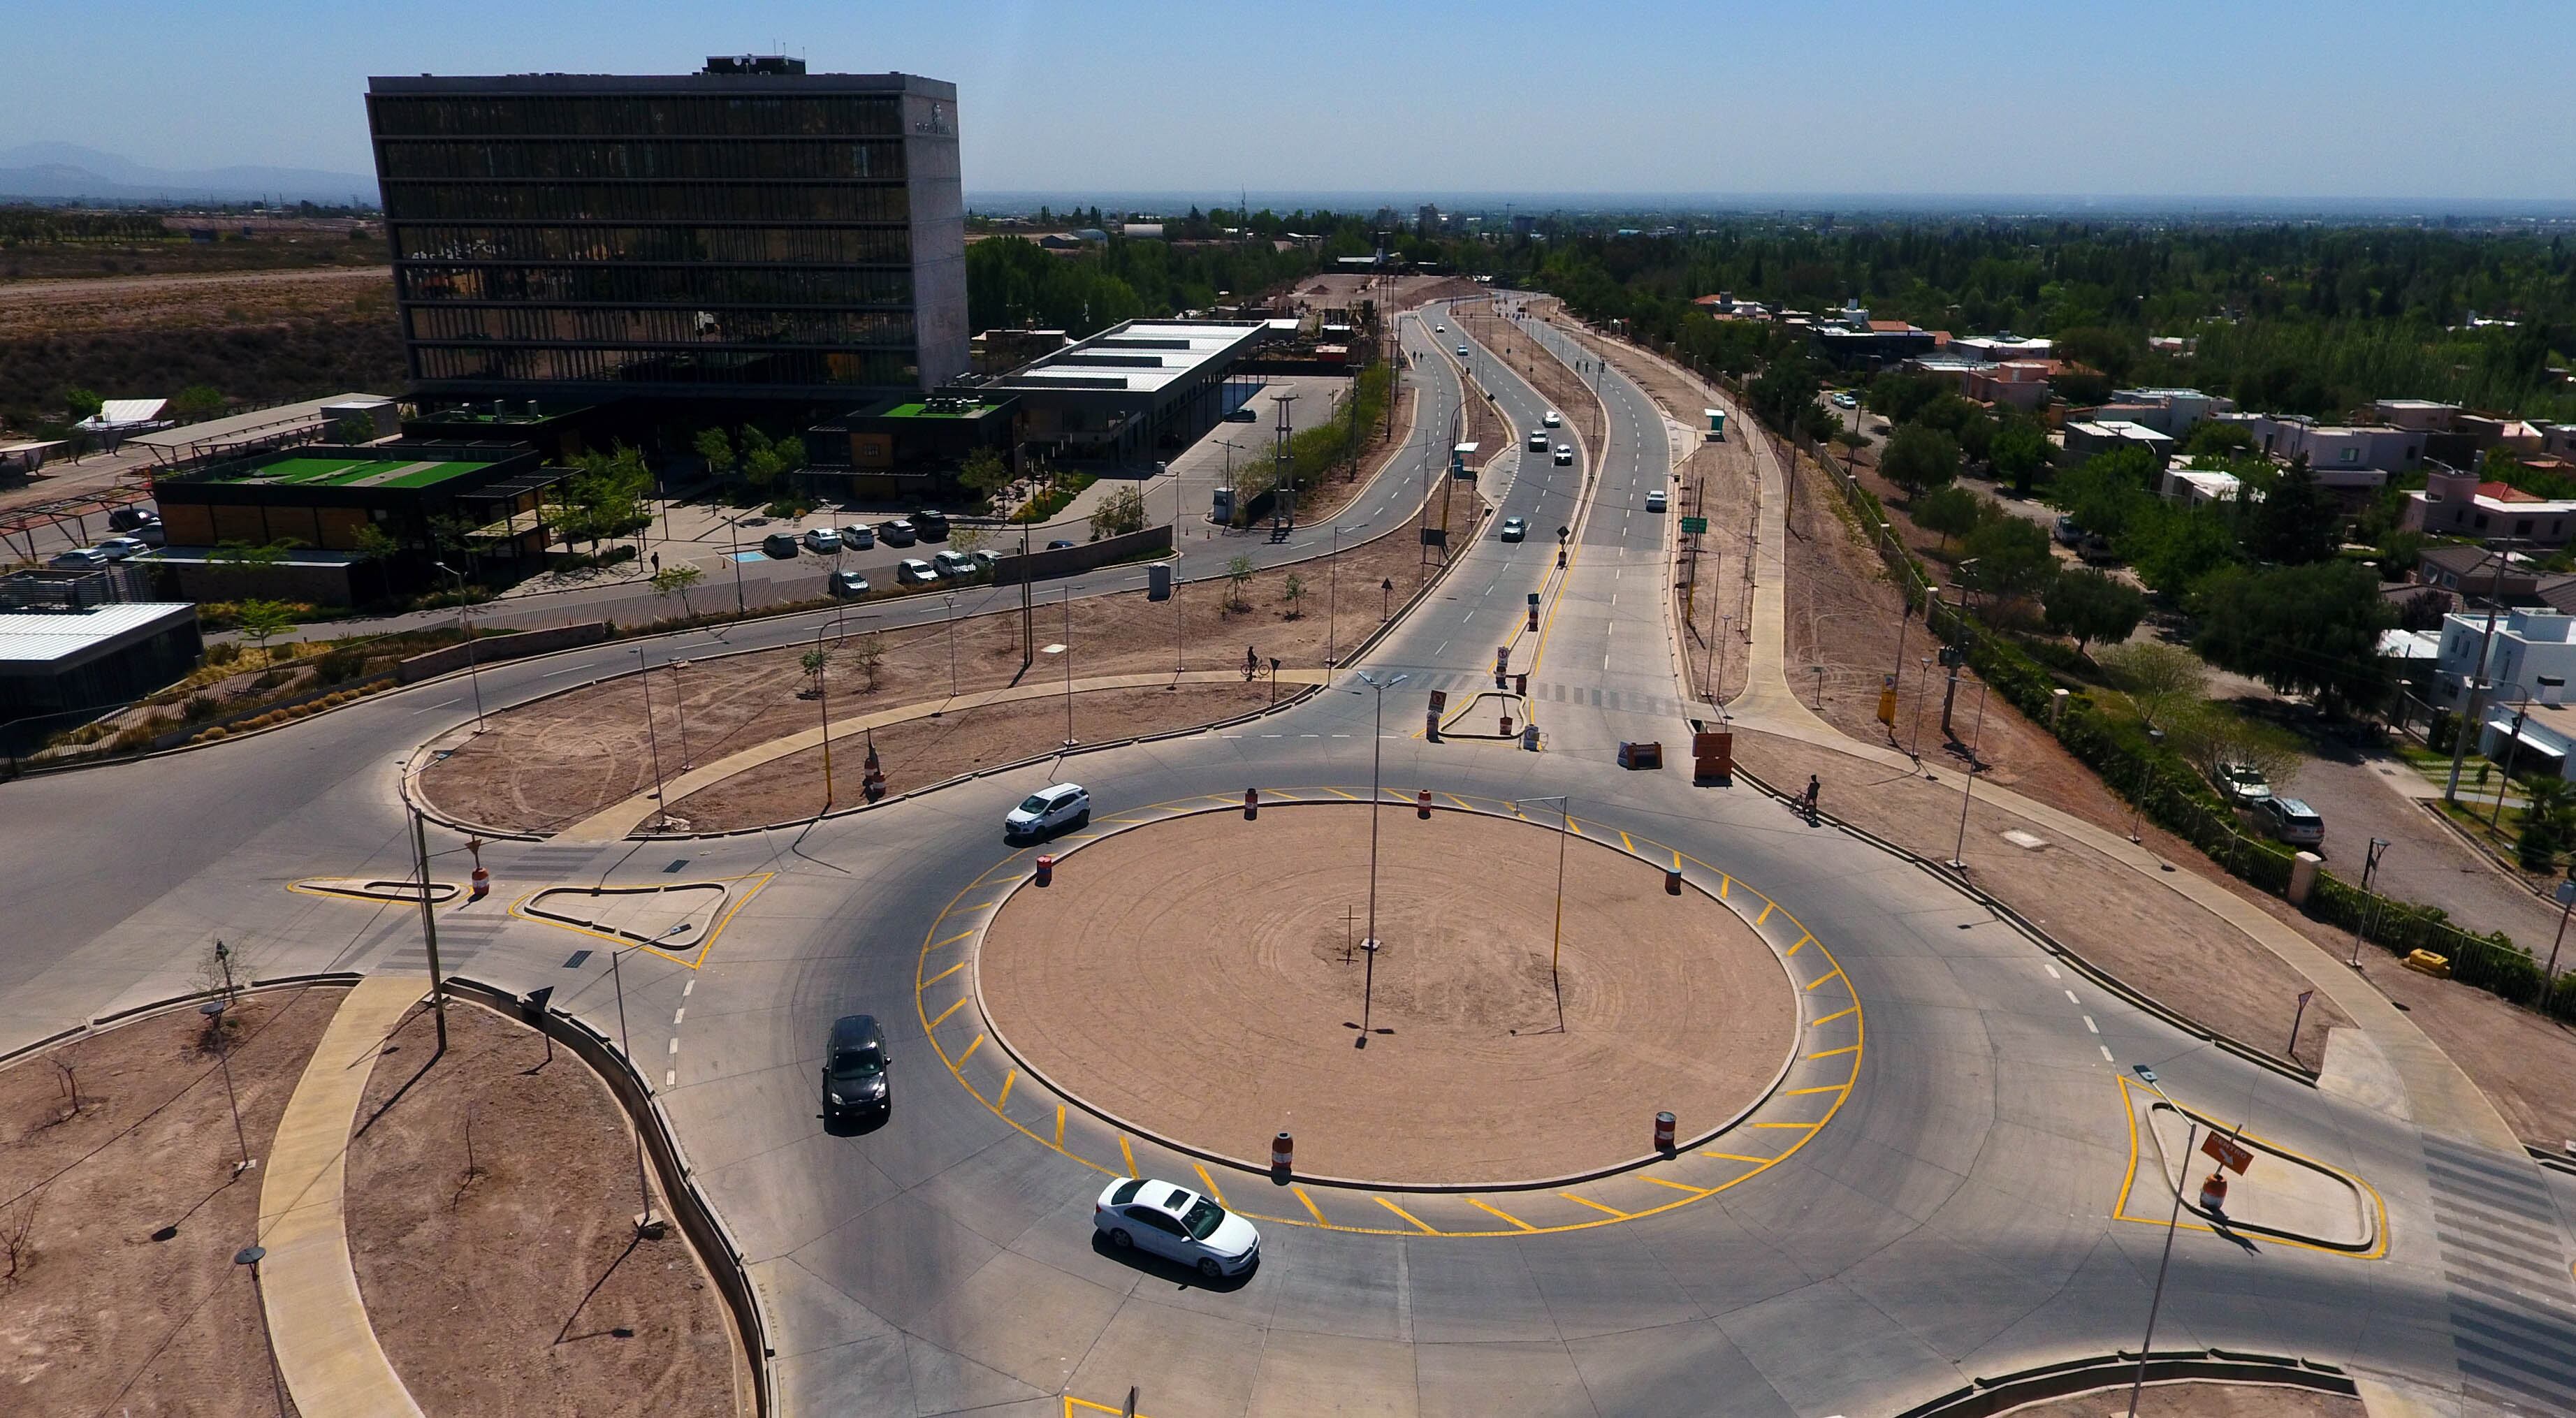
2280,107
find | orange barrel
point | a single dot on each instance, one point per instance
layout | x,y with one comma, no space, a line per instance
1422,805
1046,871
1283,1152
1663,1132
1251,803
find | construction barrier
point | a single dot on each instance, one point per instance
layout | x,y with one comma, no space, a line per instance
1251,804
1641,755
1663,1132
1046,871
1283,1154
1422,805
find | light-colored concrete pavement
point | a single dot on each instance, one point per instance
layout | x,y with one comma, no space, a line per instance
317,1321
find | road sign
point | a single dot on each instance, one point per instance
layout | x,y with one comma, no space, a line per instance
1694,525
2228,1153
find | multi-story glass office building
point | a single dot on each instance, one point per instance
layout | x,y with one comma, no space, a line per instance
751,231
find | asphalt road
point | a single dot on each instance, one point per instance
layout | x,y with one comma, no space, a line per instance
1929,1199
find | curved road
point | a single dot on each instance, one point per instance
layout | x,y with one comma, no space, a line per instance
1929,1199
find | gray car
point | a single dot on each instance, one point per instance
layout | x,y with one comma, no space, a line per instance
854,1068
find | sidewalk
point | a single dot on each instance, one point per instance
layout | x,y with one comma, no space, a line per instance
317,1321
612,824
2435,1087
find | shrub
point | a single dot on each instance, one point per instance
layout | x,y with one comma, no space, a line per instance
198,707
223,652
217,732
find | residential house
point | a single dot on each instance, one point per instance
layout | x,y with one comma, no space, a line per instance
2456,504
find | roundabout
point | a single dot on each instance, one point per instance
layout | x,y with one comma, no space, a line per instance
1204,981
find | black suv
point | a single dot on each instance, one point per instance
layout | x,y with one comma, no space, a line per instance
854,1068
933,526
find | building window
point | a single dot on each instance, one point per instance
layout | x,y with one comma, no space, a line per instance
2522,527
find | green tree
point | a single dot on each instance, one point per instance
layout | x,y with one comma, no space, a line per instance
2012,557
83,403
869,656
198,401
242,562
2088,605
373,543
1897,396
1970,426
1952,511
985,473
717,450
2107,491
1294,590
1238,575
2310,629
815,662
2217,441
2172,547
1120,512
2160,681
1919,458
263,621
675,580
2548,822
2297,521
2019,451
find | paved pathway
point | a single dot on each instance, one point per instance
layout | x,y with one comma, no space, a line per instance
611,824
2435,1087
317,1321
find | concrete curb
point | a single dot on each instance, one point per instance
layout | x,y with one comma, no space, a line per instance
101,1023
697,1218
2372,1214
2100,1372
2291,1069
1789,1059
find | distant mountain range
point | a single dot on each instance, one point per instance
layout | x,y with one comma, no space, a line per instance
66,172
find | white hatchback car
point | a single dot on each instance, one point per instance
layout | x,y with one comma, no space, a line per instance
1655,500
1176,1223
1042,812
913,571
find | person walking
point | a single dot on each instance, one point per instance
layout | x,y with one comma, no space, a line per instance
1809,802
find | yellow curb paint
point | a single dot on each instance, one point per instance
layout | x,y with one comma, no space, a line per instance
1606,1210
1310,1206
1407,1215
952,1009
1208,1181
1737,1157
1837,1014
1833,974
1129,1153
1676,1186
1007,1080
1498,1211
944,974
1829,1053
970,1050
952,940
1059,1127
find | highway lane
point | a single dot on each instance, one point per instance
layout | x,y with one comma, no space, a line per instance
1952,1218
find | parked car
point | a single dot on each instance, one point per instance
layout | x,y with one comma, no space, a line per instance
2069,533
854,1068
1845,401
822,541
913,571
1514,529
2095,550
151,535
955,565
2290,820
931,526
1245,414
1538,440
1551,419
896,533
1058,544
1179,1224
1655,500
846,583
130,516
2240,784
984,560
858,536
119,548
79,558
1565,455
1042,812
780,545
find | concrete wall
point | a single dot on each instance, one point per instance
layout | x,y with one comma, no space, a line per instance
1065,561
493,648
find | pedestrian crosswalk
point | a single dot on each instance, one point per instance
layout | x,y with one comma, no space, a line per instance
2513,1303
1556,692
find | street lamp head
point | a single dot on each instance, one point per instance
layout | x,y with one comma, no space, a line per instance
2143,1072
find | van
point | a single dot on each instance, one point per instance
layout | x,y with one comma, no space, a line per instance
854,1068
2290,821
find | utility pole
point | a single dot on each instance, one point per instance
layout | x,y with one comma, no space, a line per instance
1028,613
2466,727
429,924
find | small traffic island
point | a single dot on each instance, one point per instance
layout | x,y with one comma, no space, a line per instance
1205,981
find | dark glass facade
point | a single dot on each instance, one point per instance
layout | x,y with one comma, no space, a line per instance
768,235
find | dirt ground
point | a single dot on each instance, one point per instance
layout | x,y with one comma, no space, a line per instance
924,751
517,1288
40,307
556,761
1466,1077
130,1301
2521,1059
2200,1400
2148,936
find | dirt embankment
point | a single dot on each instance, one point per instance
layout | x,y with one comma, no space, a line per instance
559,760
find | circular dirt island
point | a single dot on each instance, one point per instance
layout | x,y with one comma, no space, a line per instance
1200,981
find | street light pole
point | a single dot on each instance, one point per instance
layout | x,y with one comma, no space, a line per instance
1069,740
2173,1223
1555,981
952,647
473,650
429,925
823,693
1958,853
1377,752
2369,864
662,814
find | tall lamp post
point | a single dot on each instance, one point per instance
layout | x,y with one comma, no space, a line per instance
1377,750
473,650
617,980
652,736
1564,824
823,694
1332,605
2369,864
1958,853
2173,1223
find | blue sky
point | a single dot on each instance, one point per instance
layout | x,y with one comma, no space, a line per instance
2368,98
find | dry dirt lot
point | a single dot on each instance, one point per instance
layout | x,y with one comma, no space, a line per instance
514,1284
1670,1002
558,760
129,1300
919,752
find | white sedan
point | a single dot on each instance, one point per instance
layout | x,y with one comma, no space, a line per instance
1177,1223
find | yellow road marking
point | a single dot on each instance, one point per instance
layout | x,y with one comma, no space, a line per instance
1283,795
944,974
970,1049
1059,1127
1768,906
1579,1201
1201,1169
952,1009
1624,842
1835,973
980,905
1129,1153
1837,1014
1407,1215
1724,883
1792,1127
1462,802
1821,1088
1801,945
1007,1080
1498,1211
1676,1186
1736,1156
1310,1206
1354,797
1829,1053
952,940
